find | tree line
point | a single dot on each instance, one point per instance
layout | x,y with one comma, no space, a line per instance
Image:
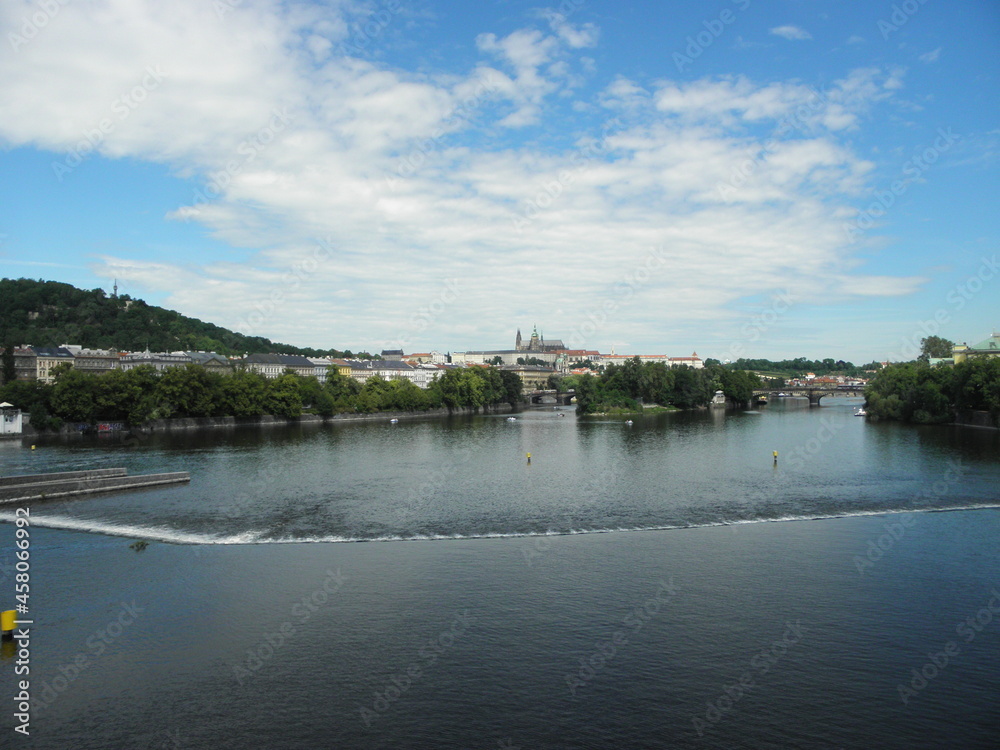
915,392
141,394
625,387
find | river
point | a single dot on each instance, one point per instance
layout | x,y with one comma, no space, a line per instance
664,583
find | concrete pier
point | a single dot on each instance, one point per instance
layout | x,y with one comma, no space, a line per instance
34,478
45,487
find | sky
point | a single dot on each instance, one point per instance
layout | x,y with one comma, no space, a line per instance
811,178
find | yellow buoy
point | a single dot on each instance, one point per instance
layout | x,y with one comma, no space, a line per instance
529,458
7,621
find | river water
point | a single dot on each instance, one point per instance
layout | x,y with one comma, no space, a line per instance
659,584
469,476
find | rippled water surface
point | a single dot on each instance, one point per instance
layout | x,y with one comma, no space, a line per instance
469,477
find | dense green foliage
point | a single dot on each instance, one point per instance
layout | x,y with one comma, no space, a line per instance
935,346
623,387
141,394
915,392
796,368
49,313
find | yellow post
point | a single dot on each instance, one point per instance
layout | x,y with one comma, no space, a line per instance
775,456
529,458
7,622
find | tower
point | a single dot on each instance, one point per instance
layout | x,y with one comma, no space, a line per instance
517,342
533,346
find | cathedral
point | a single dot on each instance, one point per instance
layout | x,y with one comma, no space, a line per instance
536,343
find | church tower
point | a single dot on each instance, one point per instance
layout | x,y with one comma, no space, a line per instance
517,341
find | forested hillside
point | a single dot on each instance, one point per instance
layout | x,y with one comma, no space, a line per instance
49,313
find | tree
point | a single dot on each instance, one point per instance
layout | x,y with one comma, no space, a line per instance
283,397
8,369
935,346
73,394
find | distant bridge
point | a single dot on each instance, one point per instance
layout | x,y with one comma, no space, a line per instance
549,398
814,392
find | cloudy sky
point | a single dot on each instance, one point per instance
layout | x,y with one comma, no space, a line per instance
741,178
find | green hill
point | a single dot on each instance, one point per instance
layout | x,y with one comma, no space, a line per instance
49,313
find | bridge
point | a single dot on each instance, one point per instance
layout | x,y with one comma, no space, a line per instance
549,397
814,392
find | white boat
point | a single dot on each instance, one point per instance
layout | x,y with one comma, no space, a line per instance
393,420
511,419
629,422
861,412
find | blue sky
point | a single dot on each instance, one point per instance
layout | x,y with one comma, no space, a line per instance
740,178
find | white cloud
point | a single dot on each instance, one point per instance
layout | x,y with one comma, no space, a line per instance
792,33
931,56
375,186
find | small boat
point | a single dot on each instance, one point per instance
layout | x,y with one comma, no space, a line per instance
393,421
511,419
861,412
629,422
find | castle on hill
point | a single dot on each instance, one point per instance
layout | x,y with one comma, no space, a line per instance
537,343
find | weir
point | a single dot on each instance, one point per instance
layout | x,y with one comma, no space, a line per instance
64,484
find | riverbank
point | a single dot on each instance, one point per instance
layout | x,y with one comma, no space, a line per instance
267,420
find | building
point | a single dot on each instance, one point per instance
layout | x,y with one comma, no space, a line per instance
93,360
274,365
342,366
987,348
47,358
424,358
159,361
321,366
210,361
533,377
392,355
424,374
362,369
10,420
536,343
25,363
